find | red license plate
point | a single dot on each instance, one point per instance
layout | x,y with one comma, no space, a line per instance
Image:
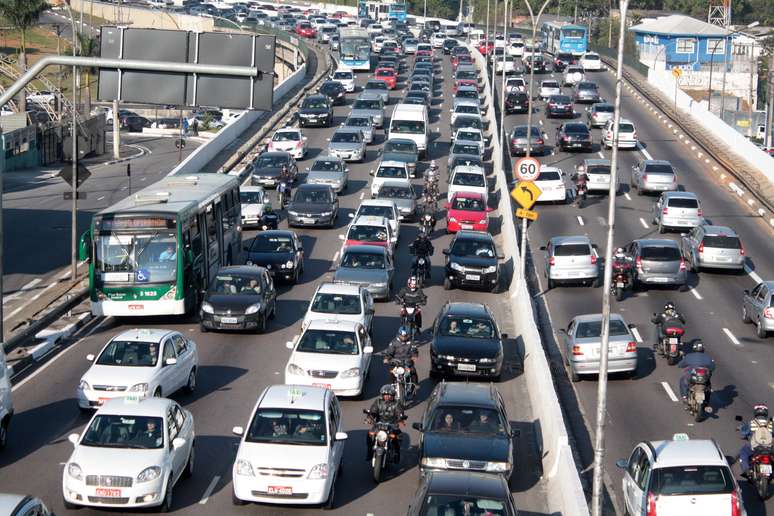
324,385
108,493
280,490
101,401
136,307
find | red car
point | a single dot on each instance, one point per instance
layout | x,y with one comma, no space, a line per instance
461,59
485,48
428,53
305,30
467,210
387,75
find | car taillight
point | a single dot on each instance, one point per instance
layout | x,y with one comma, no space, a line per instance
552,261
701,247
644,177
539,141
610,134
651,504
631,347
699,212
741,249
576,351
638,263
768,313
736,504
634,135
682,263
665,211
593,260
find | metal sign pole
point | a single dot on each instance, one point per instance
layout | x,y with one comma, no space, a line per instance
74,214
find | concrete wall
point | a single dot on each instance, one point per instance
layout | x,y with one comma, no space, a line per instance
144,17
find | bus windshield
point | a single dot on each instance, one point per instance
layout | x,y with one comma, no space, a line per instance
355,48
573,33
136,257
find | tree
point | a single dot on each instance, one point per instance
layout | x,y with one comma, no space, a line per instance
87,47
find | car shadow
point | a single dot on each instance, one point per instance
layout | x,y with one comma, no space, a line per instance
527,450
210,379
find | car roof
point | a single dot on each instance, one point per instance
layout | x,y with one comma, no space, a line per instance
144,334
656,162
467,102
402,141
466,308
718,230
398,183
392,163
474,235
657,242
596,317
549,168
152,407
316,96
326,157
369,96
277,232
251,188
597,161
348,129
567,240
301,397
680,195
377,202
339,288
462,393
274,154
366,249
370,220
698,452
288,130
469,169
331,324
310,186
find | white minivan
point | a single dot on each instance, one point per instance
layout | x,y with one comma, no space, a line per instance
411,121
6,407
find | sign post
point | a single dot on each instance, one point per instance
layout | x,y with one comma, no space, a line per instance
677,72
526,194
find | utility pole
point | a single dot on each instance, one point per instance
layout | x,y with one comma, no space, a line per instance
610,28
60,97
116,131
74,137
770,102
712,67
599,437
506,26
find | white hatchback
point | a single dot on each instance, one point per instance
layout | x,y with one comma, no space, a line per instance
253,200
343,302
290,140
551,184
590,61
346,78
437,39
387,171
467,179
627,134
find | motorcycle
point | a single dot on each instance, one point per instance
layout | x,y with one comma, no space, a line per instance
621,281
427,223
581,192
405,388
699,391
670,343
409,317
385,438
421,270
760,468
283,192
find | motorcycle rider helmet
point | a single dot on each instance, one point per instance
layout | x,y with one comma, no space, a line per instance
412,283
387,390
432,165
761,411
669,306
619,253
403,333
698,346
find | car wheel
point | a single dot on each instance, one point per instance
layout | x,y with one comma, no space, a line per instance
330,502
70,506
203,329
574,377
760,331
166,505
189,466
190,386
261,328
745,319
447,284
551,284
661,228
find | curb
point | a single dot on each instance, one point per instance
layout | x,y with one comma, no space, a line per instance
127,158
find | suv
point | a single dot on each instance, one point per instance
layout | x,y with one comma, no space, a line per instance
342,302
677,210
465,423
657,262
677,477
715,247
571,259
472,260
653,175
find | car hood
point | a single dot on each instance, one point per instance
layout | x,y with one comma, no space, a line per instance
456,445
403,157
473,261
252,209
402,204
366,112
467,215
324,177
308,207
323,361
268,455
235,302
95,460
344,145
267,172
466,347
312,111
118,375
360,276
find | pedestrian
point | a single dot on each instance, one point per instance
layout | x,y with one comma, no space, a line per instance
185,126
195,127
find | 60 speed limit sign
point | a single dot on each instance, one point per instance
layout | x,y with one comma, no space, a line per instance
527,169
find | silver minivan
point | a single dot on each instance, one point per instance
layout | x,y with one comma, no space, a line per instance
677,210
583,341
571,259
657,262
717,247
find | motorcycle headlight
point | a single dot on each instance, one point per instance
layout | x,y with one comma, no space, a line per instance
490,270
84,386
318,472
497,467
148,474
433,462
350,373
456,266
381,436
244,468
139,387
253,309
74,470
207,308
421,261
294,369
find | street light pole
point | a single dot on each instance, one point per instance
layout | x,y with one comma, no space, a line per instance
74,137
712,67
599,444
501,136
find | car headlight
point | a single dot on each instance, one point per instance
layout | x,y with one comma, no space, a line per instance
487,360
497,467
139,387
490,270
244,468
294,369
323,214
379,285
456,266
433,462
148,474
447,357
318,472
483,221
350,373
207,308
75,471
253,309
84,385
294,213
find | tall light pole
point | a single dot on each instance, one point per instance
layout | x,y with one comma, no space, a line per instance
74,137
725,64
599,438
506,25
492,56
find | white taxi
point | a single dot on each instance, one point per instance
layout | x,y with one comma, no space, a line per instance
331,353
290,140
131,454
343,302
291,450
465,178
253,200
551,184
139,362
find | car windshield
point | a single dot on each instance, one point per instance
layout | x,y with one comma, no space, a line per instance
468,204
660,253
691,480
275,161
722,242
119,431
395,192
363,233
468,121
466,74
587,86
287,426
591,57
343,76
466,94
549,84
472,136
469,327
401,147
325,165
598,169
310,196
464,160
385,73
251,197
366,104
603,108
466,419
625,128
593,329
464,148
333,342
468,179
473,247
407,127
391,172
268,243
683,202
376,85
359,121
315,104
129,353
658,168
363,260
331,87
336,304
560,99
375,210
521,131
345,137
232,284
467,109
576,129
286,136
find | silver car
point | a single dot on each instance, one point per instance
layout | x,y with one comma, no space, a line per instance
586,92
364,123
347,144
657,262
598,174
329,170
758,308
599,113
571,259
653,175
377,88
410,45
583,341
716,247
367,265
402,193
369,105
677,210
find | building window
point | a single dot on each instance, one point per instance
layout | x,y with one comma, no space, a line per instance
716,46
685,46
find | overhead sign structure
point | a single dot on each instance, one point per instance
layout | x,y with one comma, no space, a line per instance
526,194
527,169
527,214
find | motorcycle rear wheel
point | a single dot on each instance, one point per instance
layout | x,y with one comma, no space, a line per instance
671,360
762,487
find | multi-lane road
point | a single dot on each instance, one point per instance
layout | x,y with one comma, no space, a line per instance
236,367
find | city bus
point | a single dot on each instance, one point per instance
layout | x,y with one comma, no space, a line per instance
382,10
154,252
397,11
565,37
355,49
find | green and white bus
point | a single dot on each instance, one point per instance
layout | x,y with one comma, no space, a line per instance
155,251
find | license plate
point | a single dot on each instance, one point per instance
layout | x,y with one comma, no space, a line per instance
620,284
306,221
472,277
229,320
466,367
279,490
659,280
723,259
672,340
683,222
101,401
467,226
323,385
765,469
108,493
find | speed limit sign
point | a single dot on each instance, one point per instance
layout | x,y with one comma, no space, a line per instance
527,169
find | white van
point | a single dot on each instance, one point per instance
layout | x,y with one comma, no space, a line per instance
6,407
411,121
476,35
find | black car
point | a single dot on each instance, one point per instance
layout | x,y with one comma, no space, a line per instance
466,342
516,102
240,297
449,44
316,110
537,62
313,205
459,491
559,105
280,252
467,121
574,136
465,422
562,60
335,92
134,123
267,167
472,261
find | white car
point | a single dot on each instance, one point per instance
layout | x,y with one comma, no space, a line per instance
437,39
590,61
380,208
291,450
516,49
388,170
466,107
131,454
499,41
551,184
548,88
331,353
470,134
290,140
515,84
376,44
253,200
341,302
627,134
467,179
346,78
139,362
505,64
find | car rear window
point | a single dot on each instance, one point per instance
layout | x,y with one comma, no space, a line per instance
657,168
598,169
722,242
692,480
604,109
572,250
592,329
625,128
682,202
660,253
549,175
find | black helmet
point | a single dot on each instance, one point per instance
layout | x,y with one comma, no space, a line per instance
403,333
669,306
698,346
388,389
761,411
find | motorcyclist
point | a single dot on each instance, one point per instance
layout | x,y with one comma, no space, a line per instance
422,247
412,295
621,261
431,174
696,359
669,314
759,433
385,410
401,348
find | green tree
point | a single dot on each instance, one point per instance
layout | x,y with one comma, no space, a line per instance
87,47
22,15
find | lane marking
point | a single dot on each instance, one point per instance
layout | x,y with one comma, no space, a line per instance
25,288
696,294
362,194
752,274
731,337
637,335
335,257
25,305
644,224
626,194
644,151
209,490
669,391
602,156
99,199
580,220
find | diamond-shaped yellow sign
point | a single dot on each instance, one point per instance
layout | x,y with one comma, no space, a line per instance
526,194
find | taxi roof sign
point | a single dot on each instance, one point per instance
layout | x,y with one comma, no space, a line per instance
681,437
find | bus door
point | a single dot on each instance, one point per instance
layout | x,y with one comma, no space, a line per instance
213,235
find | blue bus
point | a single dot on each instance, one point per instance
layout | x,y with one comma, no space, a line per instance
397,11
565,37
355,48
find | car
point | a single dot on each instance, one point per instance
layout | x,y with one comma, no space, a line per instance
713,247
369,105
131,454
469,107
376,44
573,74
380,208
21,505
559,105
627,134
583,340
315,110
292,428
388,76
467,210
463,121
335,42
134,123
402,193
535,64
549,88
653,175
267,167
516,102
571,259
586,92
466,94
475,164
679,476
410,45
449,44
440,490
677,210
280,252
388,170
139,363
562,60
590,61
420,83
325,32
347,143
370,230
335,91
515,84
466,75
464,148
367,265
331,353
377,88
758,308
472,261
341,302
551,184
599,114
363,123
657,262
305,30
518,140
470,134
256,208
402,150
346,78
505,64
313,205
437,39
598,173
290,140
240,297
469,179
466,341
328,170
461,59
516,49
573,136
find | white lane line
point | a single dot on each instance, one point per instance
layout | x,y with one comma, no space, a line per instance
580,220
731,337
637,335
335,257
540,122
209,490
644,151
628,198
25,305
99,199
696,294
669,391
362,194
771,385
22,290
644,224
752,274
124,188
601,156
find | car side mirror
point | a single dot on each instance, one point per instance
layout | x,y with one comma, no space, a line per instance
594,246
417,426
73,438
446,252
631,326
90,357
307,169
341,436
170,361
178,442
621,463
289,344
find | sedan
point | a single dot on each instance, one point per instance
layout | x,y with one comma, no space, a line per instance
758,308
551,184
586,92
386,75
377,88
402,193
573,136
410,45
335,91
559,105
440,489
467,210
583,340
241,297
347,144
369,105
364,123
599,114
313,205
472,261
315,110
367,265
268,166
290,140
328,170
278,251
516,102
652,175
346,78
519,141
256,208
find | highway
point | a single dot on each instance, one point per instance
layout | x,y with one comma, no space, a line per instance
647,407
235,368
